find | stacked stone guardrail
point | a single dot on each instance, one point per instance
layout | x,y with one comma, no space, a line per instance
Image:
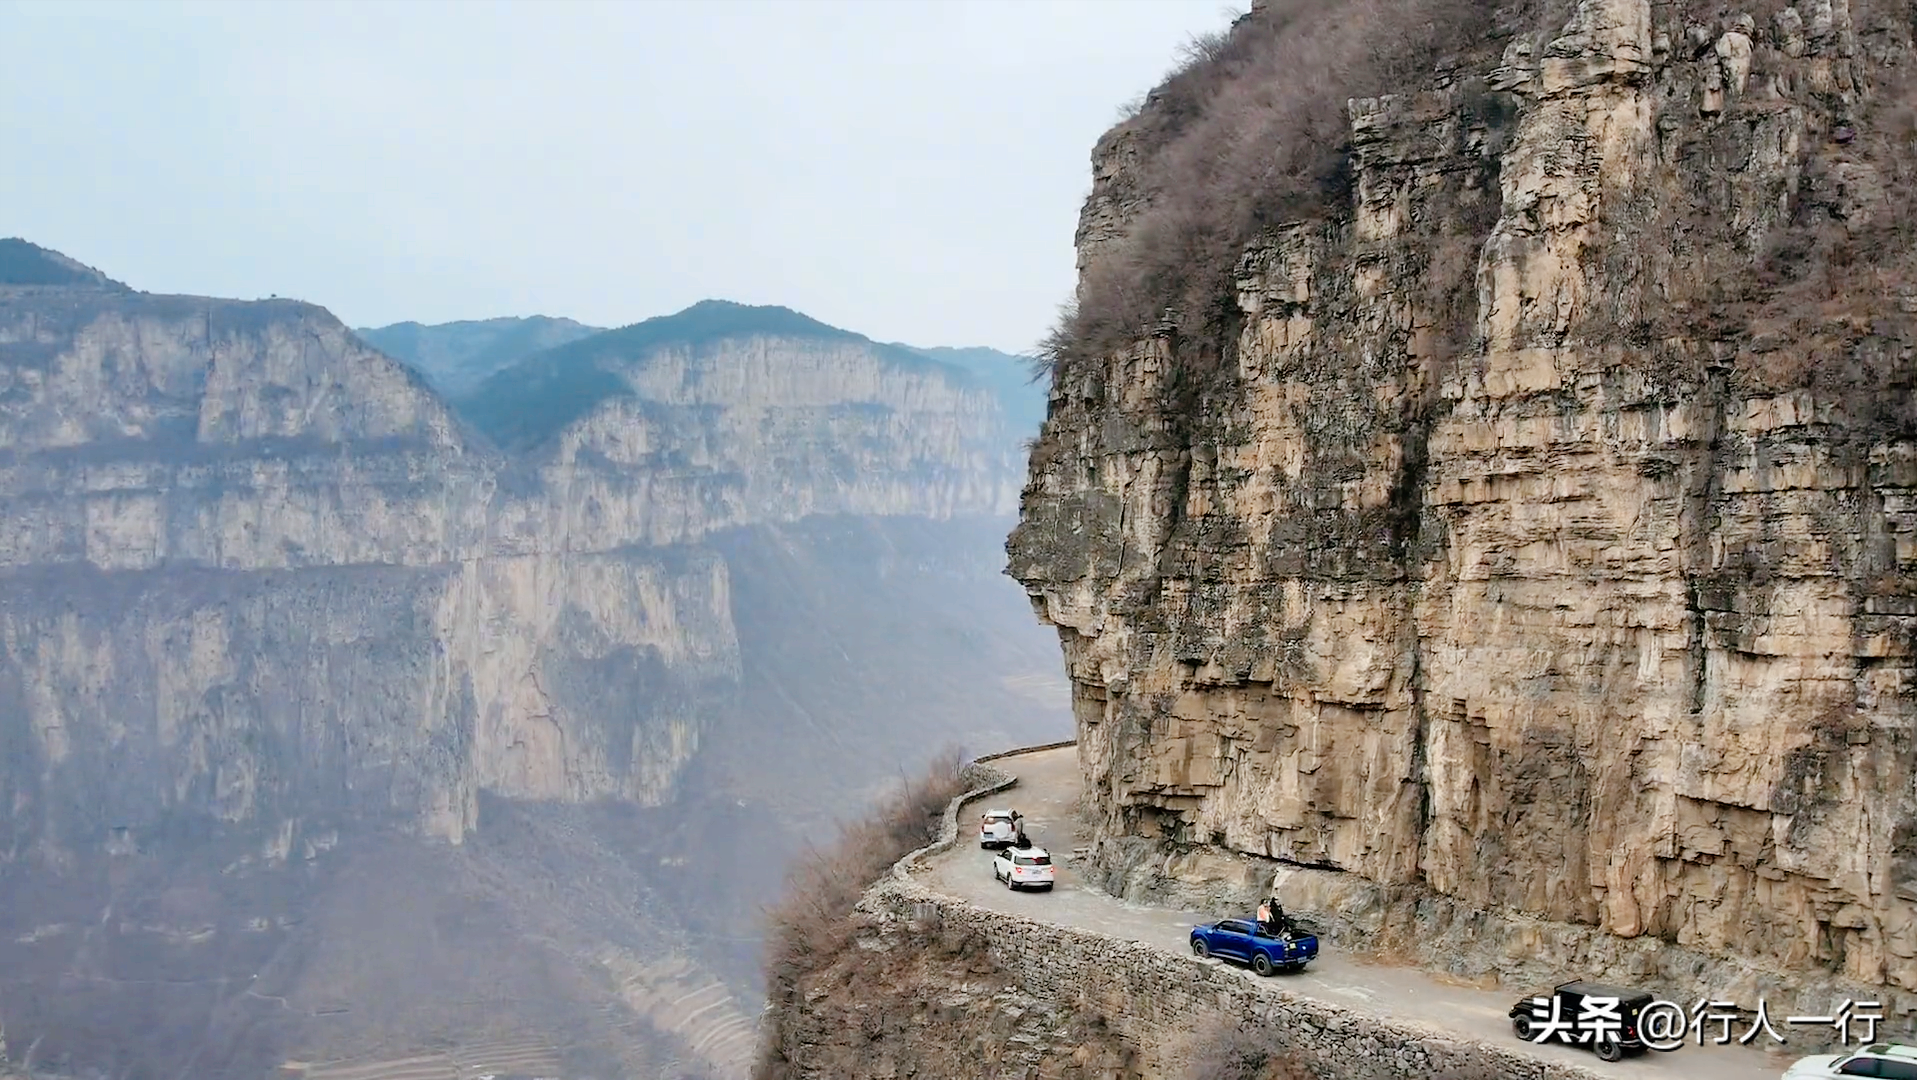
1160,1000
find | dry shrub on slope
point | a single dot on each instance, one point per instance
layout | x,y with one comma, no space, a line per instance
1833,305
811,926
1246,1050
1250,132
1254,1050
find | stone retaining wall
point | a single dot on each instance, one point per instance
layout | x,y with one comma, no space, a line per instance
1158,1000
981,780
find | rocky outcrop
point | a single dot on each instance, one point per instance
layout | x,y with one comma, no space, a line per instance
1593,618
277,624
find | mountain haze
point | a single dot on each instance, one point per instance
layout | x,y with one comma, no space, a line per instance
527,403
374,738
458,357
455,356
1021,391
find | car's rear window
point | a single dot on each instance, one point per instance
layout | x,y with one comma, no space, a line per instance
1032,860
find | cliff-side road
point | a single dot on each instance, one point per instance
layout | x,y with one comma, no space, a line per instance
1047,793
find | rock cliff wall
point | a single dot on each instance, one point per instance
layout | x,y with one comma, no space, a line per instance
246,522
275,623
765,429
1571,610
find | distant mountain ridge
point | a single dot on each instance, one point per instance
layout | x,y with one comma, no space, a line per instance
1009,376
521,380
533,399
25,263
456,356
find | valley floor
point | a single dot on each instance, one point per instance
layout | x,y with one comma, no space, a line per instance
1047,793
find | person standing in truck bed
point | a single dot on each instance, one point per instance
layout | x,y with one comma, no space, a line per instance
1272,918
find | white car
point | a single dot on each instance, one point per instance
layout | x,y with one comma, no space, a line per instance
1891,1061
996,829
1023,867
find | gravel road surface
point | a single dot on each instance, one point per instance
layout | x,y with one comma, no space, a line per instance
1047,792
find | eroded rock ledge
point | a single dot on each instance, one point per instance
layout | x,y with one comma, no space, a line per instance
1596,634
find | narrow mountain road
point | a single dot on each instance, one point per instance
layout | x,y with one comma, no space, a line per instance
1047,792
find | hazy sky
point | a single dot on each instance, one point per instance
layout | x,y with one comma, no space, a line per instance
909,170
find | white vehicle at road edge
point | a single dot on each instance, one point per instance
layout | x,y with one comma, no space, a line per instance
1892,1061
1025,867
996,828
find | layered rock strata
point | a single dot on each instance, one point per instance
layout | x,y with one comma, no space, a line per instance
1601,624
267,603
227,519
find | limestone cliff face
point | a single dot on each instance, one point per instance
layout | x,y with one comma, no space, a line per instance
1602,618
267,603
312,580
769,429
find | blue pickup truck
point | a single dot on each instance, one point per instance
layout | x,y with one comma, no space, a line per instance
1244,939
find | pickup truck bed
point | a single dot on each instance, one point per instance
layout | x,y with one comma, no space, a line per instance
1242,940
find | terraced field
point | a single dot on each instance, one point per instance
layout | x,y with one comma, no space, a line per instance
535,951
676,996
671,995
505,1057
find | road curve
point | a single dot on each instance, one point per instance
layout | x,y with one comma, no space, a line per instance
1047,794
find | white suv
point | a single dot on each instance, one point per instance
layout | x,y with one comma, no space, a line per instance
1891,1061
1025,866
996,829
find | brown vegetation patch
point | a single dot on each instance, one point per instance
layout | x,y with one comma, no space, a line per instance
1246,1050
813,925
1831,308
1827,301
1253,1050
1251,132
